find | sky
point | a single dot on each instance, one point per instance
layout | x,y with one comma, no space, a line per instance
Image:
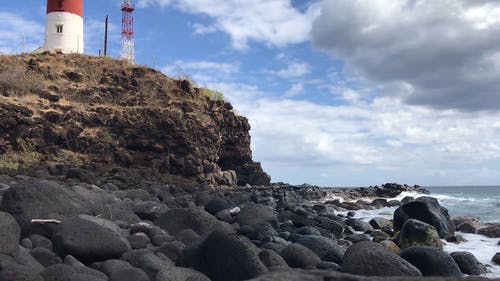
337,92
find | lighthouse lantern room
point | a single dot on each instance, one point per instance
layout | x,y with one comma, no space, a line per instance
64,26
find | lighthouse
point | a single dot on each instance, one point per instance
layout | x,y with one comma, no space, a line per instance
64,26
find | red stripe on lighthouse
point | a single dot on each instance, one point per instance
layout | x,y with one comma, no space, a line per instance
69,6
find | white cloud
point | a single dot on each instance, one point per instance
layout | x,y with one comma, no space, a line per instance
447,52
295,90
201,71
275,23
19,34
294,70
359,143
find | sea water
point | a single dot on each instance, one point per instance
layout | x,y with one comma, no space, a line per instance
480,201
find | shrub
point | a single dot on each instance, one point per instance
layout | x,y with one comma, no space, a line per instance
213,94
26,156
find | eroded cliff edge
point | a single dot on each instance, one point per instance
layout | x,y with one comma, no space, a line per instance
61,112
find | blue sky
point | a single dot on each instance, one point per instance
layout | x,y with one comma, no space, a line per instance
338,92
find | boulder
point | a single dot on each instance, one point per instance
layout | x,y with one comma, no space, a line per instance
271,259
496,259
263,232
129,274
148,261
320,245
467,224
380,223
431,261
180,274
216,205
372,259
428,210
491,230
417,233
356,238
90,239
176,220
44,256
358,225
255,213
110,266
63,272
299,256
41,199
10,234
171,249
10,270
223,257
468,263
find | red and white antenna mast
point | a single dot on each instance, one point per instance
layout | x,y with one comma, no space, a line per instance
128,31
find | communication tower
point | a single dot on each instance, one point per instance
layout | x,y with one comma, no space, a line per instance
128,31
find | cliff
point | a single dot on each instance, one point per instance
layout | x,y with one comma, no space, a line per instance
61,112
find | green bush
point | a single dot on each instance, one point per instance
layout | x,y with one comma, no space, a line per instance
27,156
212,94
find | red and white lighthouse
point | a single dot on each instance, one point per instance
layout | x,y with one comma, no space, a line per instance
64,26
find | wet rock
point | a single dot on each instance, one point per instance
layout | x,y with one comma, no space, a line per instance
299,256
428,210
356,238
468,263
496,258
90,239
467,224
491,231
417,233
431,261
372,259
380,223
358,225
10,234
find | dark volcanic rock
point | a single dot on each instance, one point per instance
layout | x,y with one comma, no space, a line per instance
318,244
358,225
491,231
216,205
41,199
45,257
129,274
148,261
428,210
431,261
271,259
297,255
223,257
372,259
468,263
90,239
496,258
181,274
467,224
10,234
176,220
417,233
255,213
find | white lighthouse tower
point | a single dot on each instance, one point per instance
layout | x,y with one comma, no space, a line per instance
64,26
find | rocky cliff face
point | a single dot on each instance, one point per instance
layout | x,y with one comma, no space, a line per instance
67,111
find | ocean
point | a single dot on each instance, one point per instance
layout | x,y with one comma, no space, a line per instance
479,201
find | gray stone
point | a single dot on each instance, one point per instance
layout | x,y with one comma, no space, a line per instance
10,234
297,255
372,259
431,261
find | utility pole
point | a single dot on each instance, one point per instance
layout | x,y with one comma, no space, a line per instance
106,37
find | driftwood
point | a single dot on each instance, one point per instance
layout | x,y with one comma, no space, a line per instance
44,221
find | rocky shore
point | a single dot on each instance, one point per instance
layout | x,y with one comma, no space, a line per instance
125,227
111,171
